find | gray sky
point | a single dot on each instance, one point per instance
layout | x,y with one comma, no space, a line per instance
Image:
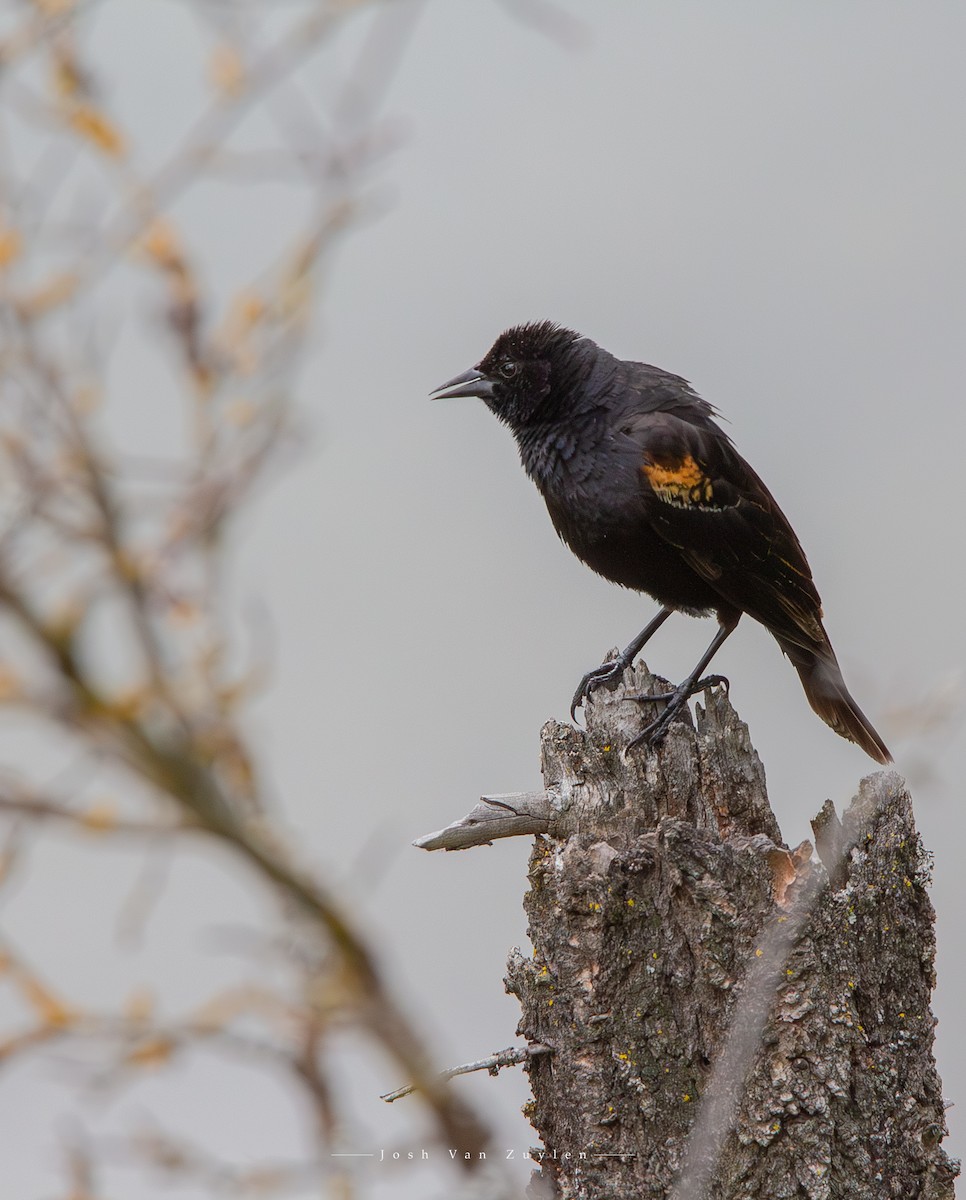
766,199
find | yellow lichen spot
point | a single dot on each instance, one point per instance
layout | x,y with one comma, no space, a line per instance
630,903
654,954
851,983
789,971
607,748
623,1057
758,952
686,1097
95,126
550,1002
902,1015
907,882
594,906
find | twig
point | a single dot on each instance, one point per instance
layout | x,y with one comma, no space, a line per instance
91,821
494,1064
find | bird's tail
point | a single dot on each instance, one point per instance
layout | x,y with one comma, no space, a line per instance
829,697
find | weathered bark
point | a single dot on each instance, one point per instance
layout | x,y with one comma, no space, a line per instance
693,976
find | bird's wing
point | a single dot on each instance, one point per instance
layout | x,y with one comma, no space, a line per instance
704,499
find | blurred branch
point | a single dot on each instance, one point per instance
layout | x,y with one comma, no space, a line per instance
212,128
40,28
116,615
97,820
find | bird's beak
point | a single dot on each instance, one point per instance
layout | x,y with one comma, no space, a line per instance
470,383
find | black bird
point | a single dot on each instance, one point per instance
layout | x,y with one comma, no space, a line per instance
649,492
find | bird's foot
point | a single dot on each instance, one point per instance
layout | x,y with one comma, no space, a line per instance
609,672
675,701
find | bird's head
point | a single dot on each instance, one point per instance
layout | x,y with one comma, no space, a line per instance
521,372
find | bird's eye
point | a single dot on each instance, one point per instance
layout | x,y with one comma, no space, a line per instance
508,369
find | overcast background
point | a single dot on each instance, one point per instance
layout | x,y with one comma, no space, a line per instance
765,198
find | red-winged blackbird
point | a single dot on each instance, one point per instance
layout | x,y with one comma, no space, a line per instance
645,488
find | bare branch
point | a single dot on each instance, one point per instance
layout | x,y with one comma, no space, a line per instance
511,1057
514,814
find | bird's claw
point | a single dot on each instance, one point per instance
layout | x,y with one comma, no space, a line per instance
657,730
608,672
710,681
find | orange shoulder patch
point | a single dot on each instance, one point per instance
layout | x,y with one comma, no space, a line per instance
682,482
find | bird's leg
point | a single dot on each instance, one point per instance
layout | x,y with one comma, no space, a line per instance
610,672
694,683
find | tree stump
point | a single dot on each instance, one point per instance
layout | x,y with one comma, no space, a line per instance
726,1017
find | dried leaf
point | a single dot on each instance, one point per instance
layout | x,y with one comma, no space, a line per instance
226,69
87,399
11,243
240,413
139,1006
54,8
51,1011
153,1052
129,704
100,817
11,686
161,242
247,309
49,295
183,612
70,79
94,125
